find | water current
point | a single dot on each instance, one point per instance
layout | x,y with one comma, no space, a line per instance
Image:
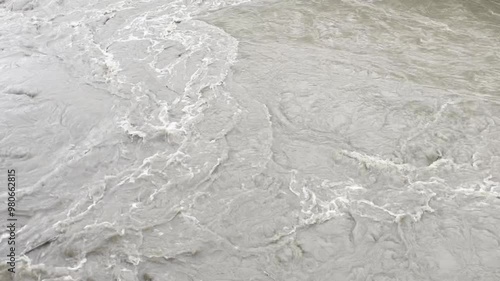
251,140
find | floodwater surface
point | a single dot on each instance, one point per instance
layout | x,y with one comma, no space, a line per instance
252,140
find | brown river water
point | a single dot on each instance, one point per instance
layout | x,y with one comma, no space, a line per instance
330,140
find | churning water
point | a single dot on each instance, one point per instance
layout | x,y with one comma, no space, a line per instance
251,140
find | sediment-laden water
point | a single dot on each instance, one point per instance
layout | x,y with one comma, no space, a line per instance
251,140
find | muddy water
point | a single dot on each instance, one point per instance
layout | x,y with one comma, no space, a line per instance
252,140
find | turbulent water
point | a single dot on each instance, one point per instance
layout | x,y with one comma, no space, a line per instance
251,140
